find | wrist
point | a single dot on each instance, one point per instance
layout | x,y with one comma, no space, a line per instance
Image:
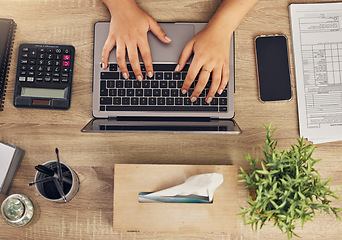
119,5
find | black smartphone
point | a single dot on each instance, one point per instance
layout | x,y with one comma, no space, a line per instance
273,69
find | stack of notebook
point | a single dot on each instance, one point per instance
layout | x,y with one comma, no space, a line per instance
7,27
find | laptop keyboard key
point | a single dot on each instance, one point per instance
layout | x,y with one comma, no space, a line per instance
154,84
156,92
143,101
168,75
223,109
110,84
159,75
223,101
174,92
147,92
128,84
163,84
172,84
134,101
126,101
166,92
179,101
145,84
112,92
130,92
152,101
170,101
105,100
137,84
116,101
139,92
121,92
161,101
109,75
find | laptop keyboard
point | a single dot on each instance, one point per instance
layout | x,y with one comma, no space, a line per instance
162,92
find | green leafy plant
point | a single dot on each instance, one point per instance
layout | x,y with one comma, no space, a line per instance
286,188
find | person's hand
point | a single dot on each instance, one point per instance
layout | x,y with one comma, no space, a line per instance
211,49
128,31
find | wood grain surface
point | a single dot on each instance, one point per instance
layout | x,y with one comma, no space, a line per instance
92,156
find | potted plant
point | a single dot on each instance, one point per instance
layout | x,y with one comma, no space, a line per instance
286,188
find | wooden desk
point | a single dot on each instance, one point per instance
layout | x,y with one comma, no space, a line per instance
89,215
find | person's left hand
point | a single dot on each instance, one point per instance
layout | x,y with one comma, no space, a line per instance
211,48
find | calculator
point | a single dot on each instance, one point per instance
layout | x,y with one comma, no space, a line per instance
44,76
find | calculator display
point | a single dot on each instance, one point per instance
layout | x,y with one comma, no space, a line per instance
42,92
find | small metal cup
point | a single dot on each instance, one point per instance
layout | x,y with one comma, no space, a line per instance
49,191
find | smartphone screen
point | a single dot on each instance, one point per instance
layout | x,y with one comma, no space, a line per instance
273,68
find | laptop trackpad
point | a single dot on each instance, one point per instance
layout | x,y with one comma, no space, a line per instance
170,52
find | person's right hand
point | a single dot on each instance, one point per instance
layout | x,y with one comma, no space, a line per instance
128,30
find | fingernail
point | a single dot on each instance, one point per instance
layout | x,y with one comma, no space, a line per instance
168,39
150,74
193,99
220,91
177,68
102,65
183,91
139,78
125,75
209,99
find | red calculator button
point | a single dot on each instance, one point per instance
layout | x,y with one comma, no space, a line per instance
66,57
66,63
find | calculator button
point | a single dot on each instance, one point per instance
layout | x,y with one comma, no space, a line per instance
57,69
23,73
66,57
48,69
25,49
41,62
56,74
33,53
58,50
65,75
31,73
55,79
41,50
64,80
23,61
39,74
40,69
31,68
57,63
39,79
30,79
49,62
49,50
49,56
23,67
58,56
66,63
32,61
47,79
24,55
41,56
22,79
65,69
66,51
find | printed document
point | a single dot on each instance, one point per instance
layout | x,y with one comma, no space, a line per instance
317,49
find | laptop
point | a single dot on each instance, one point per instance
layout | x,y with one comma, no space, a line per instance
157,104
